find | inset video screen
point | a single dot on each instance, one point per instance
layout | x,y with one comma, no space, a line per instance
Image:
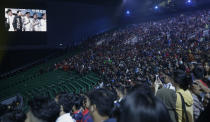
25,20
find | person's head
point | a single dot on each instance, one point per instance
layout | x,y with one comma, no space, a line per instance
100,102
44,16
167,77
19,13
140,86
58,95
64,100
43,109
27,14
195,88
198,73
142,107
35,15
77,102
9,12
181,79
15,116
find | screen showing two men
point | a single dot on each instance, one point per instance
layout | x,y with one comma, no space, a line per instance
25,20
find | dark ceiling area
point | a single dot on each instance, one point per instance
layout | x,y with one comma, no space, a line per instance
93,2
98,2
135,4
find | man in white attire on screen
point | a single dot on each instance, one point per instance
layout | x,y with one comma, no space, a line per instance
35,23
10,20
27,22
43,23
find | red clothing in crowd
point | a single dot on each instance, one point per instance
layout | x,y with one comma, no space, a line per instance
77,116
85,112
86,116
204,83
66,67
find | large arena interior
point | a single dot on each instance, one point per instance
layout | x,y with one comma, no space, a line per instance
104,60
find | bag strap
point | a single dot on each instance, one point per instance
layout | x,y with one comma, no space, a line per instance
176,116
184,111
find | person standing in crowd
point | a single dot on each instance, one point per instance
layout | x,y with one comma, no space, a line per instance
6,21
168,98
100,105
27,22
43,23
167,81
17,23
77,107
199,91
66,104
10,20
86,114
184,101
35,23
120,92
198,74
42,109
22,18
197,105
140,106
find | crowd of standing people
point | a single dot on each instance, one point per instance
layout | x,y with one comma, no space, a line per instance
150,72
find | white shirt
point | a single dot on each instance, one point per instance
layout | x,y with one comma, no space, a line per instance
35,23
43,25
169,86
10,22
27,24
65,118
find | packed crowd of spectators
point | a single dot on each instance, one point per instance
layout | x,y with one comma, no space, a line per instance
150,72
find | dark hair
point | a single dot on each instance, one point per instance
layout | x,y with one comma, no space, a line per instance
103,99
66,101
198,72
15,116
9,10
27,13
34,14
142,107
182,79
44,108
77,101
140,86
42,15
18,11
